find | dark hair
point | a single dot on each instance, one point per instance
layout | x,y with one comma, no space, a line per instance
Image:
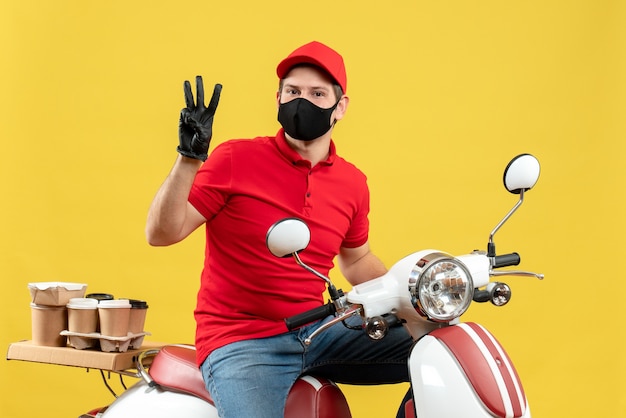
336,87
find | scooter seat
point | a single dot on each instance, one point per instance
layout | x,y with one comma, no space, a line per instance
174,368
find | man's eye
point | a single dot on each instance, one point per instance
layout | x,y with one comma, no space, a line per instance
318,94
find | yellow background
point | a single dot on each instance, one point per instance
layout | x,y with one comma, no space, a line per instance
443,94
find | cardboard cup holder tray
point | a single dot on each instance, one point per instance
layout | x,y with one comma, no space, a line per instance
108,344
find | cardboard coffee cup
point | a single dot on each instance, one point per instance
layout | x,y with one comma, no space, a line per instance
82,315
114,317
138,311
47,322
99,297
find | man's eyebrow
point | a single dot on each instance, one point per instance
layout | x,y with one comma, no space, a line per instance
314,87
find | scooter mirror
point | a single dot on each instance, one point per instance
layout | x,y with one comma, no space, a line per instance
287,236
521,174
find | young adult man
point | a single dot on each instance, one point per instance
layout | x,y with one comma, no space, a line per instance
248,358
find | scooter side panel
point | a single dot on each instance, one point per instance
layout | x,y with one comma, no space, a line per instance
141,401
462,371
487,366
440,388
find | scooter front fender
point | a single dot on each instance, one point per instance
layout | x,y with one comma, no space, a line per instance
142,401
462,371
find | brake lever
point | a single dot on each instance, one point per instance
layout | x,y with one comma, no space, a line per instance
355,310
516,273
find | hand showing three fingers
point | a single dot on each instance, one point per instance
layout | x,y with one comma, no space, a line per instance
195,127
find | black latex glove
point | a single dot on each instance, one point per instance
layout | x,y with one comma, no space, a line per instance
196,121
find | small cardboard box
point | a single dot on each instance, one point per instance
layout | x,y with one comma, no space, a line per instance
55,293
68,356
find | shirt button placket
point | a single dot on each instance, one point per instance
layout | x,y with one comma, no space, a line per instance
307,196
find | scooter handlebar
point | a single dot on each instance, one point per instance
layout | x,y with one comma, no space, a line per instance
505,260
304,318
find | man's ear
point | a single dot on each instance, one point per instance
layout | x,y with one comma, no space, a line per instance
342,107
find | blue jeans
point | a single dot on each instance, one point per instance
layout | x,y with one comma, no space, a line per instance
252,378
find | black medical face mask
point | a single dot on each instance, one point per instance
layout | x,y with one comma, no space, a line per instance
303,120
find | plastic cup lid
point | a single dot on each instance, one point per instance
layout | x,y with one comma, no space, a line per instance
82,303
100,296
138,304
116,303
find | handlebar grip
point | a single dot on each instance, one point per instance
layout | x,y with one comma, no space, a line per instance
505,260
481,296
304,318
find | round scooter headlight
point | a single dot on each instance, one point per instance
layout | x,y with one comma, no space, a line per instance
444,289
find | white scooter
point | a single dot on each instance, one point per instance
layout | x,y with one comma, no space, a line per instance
456,369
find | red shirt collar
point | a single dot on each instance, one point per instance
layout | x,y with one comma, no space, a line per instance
293,156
